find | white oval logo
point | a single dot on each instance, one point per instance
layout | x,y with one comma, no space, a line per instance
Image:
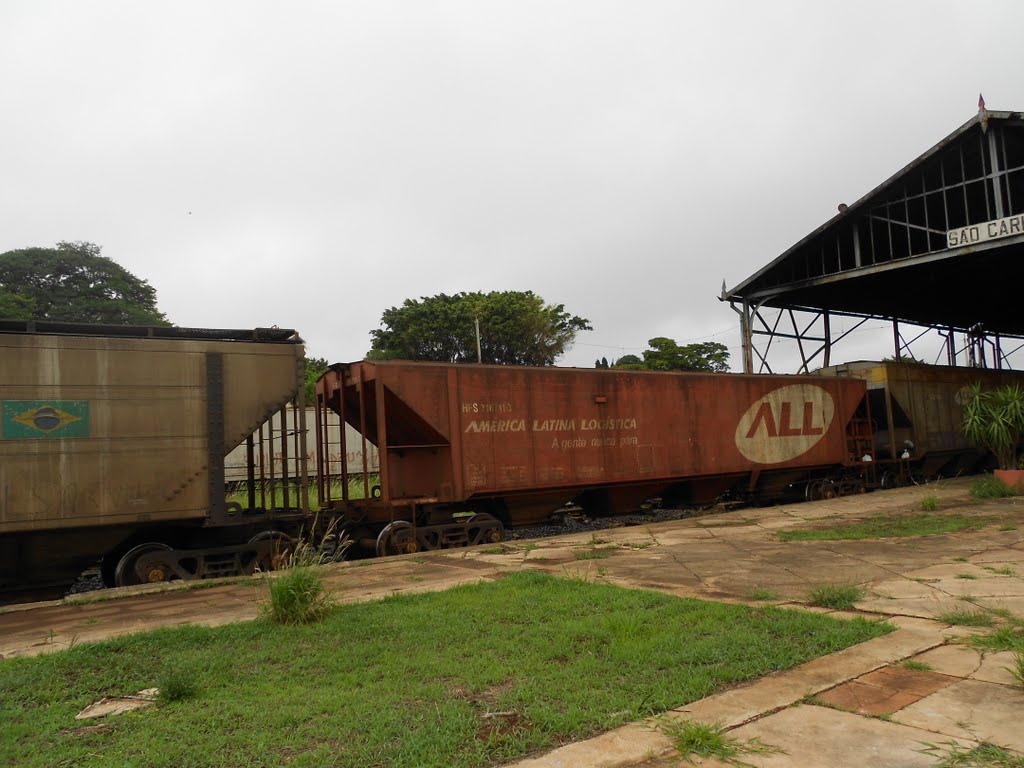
785,423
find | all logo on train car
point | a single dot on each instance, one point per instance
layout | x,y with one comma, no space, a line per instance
785,423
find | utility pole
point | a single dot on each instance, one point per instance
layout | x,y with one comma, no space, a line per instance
479,358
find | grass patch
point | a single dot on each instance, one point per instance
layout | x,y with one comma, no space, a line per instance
968,576
703,740
297,596
988,487
967,618
1007,638
887,527
1006,570
836,596
916,666
176,685
1017,668
503,549
409,680
593,554
985,755
761,593
929,503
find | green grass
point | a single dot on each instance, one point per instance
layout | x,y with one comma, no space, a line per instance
176,685
968,576
985,755
988,487
407,681
929,503
593,554
1005,570
761,593
967,618
888,526
694,739
838,597
1006,638
297,596
1017,668
916,666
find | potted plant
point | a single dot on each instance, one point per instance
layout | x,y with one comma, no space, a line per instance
994,419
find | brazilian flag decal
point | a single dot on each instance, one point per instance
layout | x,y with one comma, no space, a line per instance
44,418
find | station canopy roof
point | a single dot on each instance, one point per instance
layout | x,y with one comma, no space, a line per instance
940,243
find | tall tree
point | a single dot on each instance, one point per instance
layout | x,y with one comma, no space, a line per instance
313,368
516,328
74,283
666,355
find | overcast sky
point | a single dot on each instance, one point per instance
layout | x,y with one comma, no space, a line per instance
309,165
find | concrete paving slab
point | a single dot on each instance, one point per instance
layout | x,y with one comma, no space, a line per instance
738,705
971,709
629,745
884,691
956,660
818,737
996,668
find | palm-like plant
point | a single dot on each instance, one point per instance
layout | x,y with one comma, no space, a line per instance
994,419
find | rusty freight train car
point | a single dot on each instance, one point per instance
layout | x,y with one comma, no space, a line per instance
112,446
467,450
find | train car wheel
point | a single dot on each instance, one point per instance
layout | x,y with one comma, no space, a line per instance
397,538
127,573
828,490
813,491
485,529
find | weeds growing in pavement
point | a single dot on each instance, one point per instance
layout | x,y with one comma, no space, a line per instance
984,755
1017,668
967,618
693,739
761,593
835,596
915,666
1006,638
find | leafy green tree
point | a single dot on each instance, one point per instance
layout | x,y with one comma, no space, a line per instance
629,363
666,355
74,283
516,328
314,368
14,307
